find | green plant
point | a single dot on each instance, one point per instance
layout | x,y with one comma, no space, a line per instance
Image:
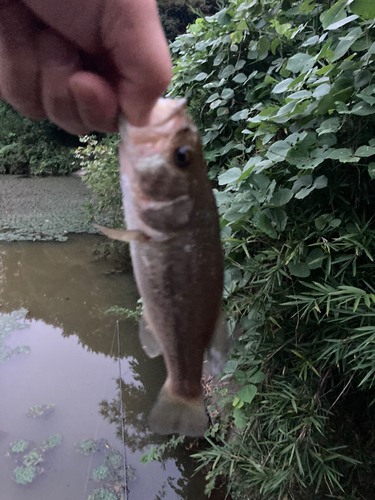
20,446
51,442
32,459
102,494
24,475
100,473
87,447
157,452
99,162
283,94
38,411
35,148
129,313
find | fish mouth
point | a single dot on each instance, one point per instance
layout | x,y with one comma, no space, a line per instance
167,117
163,111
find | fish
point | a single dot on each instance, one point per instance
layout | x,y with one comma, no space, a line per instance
174,234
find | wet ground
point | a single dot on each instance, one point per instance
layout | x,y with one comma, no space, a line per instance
58,357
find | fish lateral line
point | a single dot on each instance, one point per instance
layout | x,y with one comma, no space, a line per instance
126,235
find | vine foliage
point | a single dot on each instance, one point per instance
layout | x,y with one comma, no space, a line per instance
284,96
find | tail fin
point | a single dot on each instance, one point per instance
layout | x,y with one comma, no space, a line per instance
172,415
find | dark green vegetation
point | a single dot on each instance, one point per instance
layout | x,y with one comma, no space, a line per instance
176,15
33,148
99,162
283,93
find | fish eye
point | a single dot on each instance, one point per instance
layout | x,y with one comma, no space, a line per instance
182,156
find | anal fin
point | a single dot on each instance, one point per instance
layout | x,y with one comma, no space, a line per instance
124,234
149,343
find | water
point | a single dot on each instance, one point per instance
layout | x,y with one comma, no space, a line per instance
72,363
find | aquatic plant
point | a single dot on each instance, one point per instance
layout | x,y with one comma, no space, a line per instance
129,313
59,211
20,446
32,459
51,442
156,452
25,475
100,472
110,472
38,411
102,494
87,447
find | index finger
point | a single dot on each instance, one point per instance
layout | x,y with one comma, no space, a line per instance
132,32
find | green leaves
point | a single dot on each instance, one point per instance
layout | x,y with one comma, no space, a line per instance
247,393
300,62
288,118
363,8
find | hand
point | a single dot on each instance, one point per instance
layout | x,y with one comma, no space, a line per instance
80,63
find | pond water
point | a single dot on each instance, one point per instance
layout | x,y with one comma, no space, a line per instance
61,350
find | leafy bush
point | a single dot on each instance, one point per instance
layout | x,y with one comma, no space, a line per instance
99,162
283,94
176,15
33,148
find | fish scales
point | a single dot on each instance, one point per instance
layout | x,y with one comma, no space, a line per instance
174,234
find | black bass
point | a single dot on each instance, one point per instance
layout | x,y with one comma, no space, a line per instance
173,229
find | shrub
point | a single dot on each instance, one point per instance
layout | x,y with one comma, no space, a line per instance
283,94
33,148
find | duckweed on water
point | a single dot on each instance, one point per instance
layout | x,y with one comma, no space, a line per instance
102,494
52,442
32,459
25,475
100,473
110,473
87,447
42,209
39,411
29,464
20,446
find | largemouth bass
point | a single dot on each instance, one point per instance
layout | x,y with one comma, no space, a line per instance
173,229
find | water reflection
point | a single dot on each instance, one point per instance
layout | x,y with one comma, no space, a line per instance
73,363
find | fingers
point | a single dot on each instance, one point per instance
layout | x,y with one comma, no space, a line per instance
132,33
76,101
19,74
96,101
58,61
41,73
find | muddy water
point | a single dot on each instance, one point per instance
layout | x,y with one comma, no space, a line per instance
71,362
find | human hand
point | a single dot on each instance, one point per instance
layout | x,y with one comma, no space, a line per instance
80,63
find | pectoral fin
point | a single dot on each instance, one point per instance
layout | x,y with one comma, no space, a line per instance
124,235
149,343
217,351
